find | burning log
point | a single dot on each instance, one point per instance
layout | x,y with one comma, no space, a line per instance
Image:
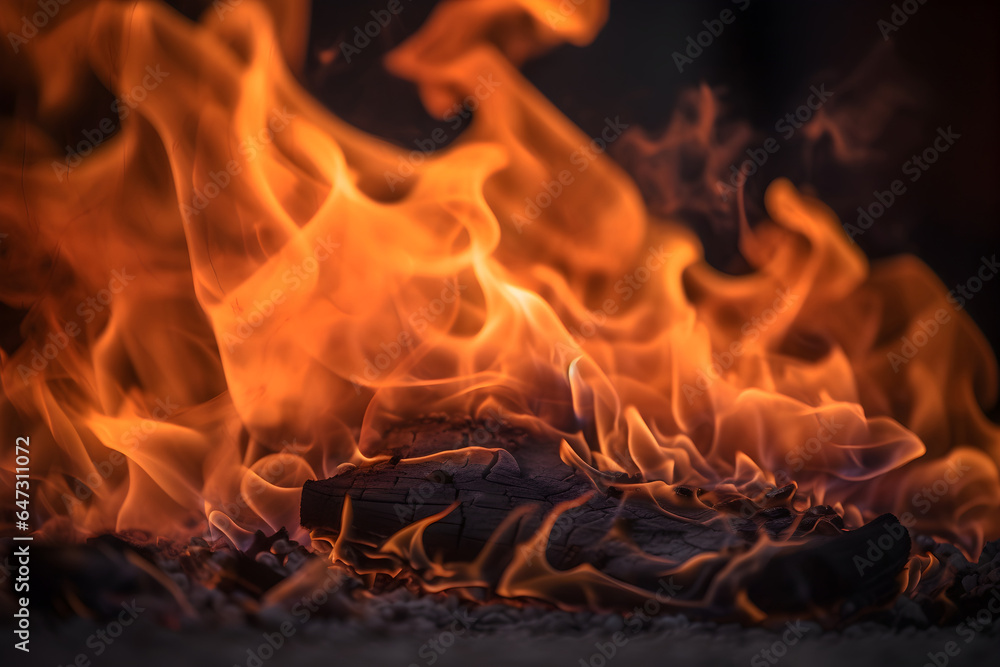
496,501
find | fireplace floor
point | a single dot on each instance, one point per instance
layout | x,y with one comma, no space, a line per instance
547,640
108,602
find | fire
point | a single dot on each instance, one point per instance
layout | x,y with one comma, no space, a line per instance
237,292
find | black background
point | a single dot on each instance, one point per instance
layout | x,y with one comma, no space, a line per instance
944,56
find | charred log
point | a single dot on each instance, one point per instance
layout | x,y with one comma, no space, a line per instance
500,496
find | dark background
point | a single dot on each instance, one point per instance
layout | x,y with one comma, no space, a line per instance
944,58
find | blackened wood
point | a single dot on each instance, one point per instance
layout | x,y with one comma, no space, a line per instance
857,568
616,528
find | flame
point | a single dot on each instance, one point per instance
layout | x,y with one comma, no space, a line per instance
238,291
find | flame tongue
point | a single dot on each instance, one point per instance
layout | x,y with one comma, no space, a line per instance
277,291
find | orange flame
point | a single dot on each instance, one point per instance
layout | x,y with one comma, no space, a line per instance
272,289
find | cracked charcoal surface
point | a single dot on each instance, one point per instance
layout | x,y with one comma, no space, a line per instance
395,625
391,620
616,528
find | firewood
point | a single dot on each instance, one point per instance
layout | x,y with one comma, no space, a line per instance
615,526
